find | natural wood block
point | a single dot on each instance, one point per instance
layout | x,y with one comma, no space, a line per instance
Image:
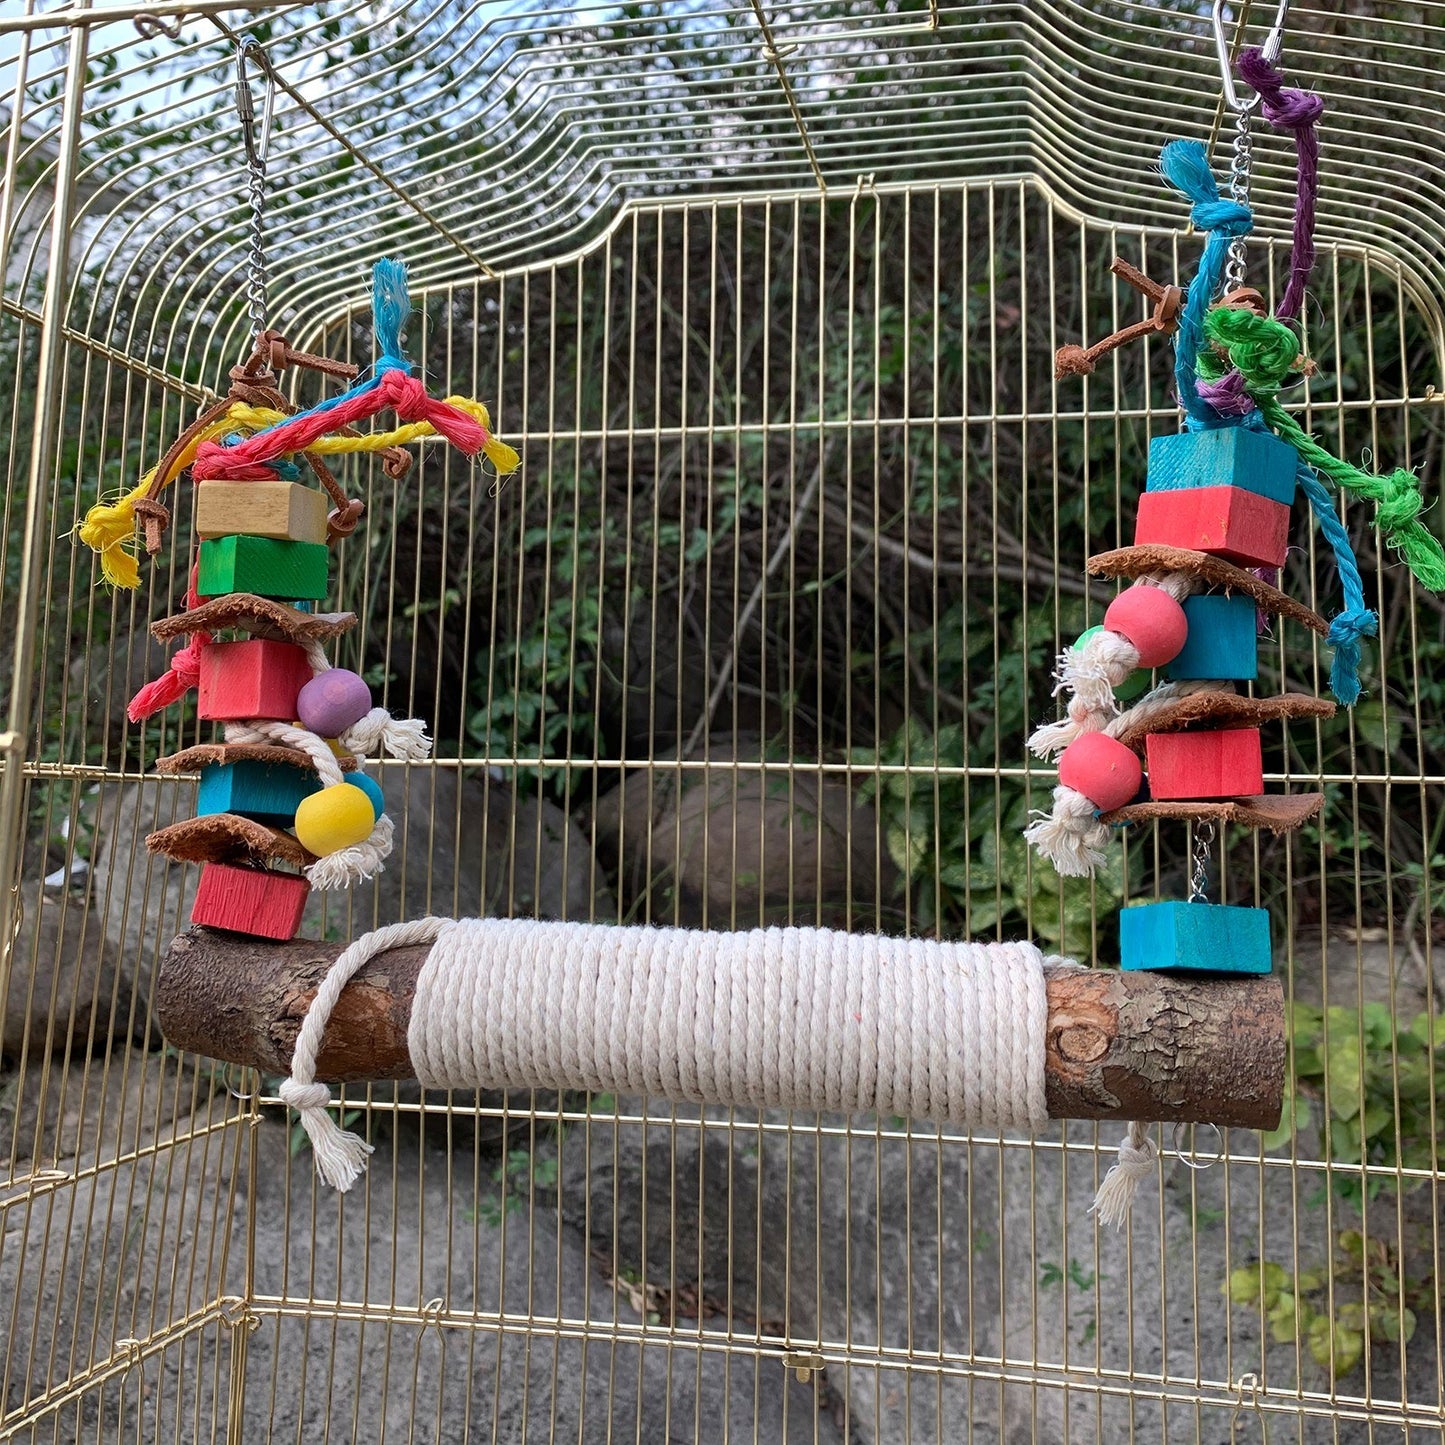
1177,937
1227,763
1228,456
264,567
285,511
250,900
1222,642
1227,522
257,678
267,792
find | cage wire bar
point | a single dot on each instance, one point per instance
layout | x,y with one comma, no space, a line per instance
767,297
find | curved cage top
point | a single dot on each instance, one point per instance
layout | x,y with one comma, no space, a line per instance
469,136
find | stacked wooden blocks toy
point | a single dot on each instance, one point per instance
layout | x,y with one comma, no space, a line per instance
1224,493
263,546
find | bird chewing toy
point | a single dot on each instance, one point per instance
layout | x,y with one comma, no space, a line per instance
298,731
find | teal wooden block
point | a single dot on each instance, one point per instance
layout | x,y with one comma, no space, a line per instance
267,792
1176,937
285,571
1222,642
1229,456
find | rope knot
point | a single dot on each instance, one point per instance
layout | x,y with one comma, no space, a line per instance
1402,502
406,396
1264,351
1287,108
1224,217
1351,625
304,1096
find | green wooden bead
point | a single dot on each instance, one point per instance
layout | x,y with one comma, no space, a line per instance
264,566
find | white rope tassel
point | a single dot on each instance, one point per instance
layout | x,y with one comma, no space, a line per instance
355,864
1091,673
1070,835
340,1156
403,738
1138,1154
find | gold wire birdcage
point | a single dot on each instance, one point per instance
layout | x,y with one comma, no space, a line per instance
767,298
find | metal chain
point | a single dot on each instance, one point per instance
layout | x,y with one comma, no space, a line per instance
255,181
1241,165
1204,835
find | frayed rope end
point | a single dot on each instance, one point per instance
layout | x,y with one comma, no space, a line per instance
1138,1155
340,1155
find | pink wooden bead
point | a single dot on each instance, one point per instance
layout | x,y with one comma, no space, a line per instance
1101,768
332,701
1152,620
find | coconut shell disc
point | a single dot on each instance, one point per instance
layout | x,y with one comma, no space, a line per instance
248,613
191,760
1131,562
227,838
1274,813
1224,710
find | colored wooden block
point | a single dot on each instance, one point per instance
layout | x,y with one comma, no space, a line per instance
267,792
257,678
1222,642
284,511
281,570
1228,522
1226,763
1177,937
250,900
1228,456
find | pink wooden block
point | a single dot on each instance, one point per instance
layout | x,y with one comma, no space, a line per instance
1223,764
250,900
257,678
1228,522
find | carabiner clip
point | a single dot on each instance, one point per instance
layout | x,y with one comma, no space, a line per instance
245,106
1273,44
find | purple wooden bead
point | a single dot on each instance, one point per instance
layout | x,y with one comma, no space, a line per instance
332,702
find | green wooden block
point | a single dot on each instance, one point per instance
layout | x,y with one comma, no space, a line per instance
1176,937
286,571
1228,456
1223,640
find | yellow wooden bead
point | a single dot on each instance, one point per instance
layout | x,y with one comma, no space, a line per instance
333,819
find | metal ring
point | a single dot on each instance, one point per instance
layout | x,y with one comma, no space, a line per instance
1188,1161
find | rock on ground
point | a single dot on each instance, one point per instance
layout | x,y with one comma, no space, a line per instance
64,988
742,847
968,1283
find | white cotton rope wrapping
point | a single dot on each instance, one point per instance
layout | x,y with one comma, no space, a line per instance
801,1018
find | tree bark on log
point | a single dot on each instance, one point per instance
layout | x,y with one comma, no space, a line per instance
1141,1046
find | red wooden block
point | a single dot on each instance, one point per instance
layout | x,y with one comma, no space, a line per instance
257,678
1223,764
1228,522
250,900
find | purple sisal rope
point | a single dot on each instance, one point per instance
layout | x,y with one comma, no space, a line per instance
1286,109
1296,110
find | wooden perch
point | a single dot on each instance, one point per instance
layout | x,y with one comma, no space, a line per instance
1139,1046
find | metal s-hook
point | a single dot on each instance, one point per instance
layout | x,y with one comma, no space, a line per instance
249,50
1273,44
